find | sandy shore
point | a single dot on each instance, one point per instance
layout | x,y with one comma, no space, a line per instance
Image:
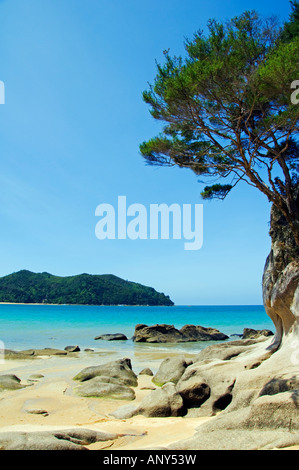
53,393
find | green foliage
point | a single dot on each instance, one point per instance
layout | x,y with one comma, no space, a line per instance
291,28
226,107
274,76
216,190
85,289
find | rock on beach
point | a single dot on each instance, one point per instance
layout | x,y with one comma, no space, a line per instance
10,382
164,333
70,439
120,370
111,380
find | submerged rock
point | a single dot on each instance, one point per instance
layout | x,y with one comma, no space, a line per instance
9,354
44,352
72,348
36,376
112,337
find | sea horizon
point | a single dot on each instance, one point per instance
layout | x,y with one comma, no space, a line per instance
137,305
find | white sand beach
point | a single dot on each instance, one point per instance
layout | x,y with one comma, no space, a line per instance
49,403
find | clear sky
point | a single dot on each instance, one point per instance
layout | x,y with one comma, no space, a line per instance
71,125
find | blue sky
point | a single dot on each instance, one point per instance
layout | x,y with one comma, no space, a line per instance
70,128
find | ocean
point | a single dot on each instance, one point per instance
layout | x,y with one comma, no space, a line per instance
58,326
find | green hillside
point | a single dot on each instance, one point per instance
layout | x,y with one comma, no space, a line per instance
84,289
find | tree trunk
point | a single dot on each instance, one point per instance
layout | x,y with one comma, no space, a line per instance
281,283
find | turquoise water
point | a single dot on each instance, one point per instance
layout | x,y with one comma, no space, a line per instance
40,326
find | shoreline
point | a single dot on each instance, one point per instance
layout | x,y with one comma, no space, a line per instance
87,305
26,326
66,410
48,402
135,305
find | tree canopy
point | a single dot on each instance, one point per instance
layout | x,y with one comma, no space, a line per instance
84,289
227,111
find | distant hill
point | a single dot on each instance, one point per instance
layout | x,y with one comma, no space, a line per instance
83,289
